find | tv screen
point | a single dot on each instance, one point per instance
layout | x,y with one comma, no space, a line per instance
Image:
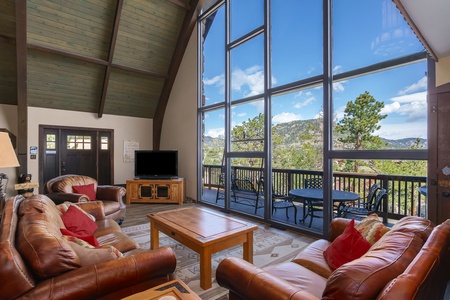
153,164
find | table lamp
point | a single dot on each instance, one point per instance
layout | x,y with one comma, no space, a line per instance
8,159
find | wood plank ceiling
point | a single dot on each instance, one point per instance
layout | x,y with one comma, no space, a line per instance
100,56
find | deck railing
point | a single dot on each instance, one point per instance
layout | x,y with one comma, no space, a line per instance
404,198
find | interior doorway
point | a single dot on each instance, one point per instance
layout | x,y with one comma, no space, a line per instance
74,150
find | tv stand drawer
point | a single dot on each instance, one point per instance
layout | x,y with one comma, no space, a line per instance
156,191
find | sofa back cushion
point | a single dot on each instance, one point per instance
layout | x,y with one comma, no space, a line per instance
65,183
364,278
39,240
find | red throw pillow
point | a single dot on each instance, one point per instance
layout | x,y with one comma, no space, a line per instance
349,246
87,238
77,222
87,190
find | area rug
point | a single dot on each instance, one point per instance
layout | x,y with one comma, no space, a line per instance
268,248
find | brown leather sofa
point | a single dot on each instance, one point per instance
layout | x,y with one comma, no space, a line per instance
60,189
37,262
411,261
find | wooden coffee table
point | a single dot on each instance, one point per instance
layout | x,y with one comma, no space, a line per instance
204,232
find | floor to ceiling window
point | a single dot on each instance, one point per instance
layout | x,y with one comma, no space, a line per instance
332,90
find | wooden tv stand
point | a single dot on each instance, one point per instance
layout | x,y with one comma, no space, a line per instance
156,191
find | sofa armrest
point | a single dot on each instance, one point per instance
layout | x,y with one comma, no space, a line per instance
110,192
102,279
94,208
245,281
59,198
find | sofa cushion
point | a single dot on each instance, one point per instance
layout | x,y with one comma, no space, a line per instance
63,207
300,277
312,258
348,246
364,278
371,228
88,190
70,236
42,246
77,222
90,254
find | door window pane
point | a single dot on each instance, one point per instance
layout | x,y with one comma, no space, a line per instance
78,142
50,141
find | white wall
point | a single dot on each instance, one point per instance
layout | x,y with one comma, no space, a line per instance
179,130
8,120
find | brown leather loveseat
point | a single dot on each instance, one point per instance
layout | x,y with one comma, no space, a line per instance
61,189
411,261
38,262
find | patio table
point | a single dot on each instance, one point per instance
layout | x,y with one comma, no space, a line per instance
313,194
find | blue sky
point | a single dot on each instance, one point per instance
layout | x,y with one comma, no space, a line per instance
365,32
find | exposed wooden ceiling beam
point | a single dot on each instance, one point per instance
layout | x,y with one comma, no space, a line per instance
183,39
65,53
112,47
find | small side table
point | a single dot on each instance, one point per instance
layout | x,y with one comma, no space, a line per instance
175,289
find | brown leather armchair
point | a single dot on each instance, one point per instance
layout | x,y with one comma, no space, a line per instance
60,189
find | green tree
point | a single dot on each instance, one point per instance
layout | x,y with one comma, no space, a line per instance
360,121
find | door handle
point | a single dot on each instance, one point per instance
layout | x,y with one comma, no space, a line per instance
446,194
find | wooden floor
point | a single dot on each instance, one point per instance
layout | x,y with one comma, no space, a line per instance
137,214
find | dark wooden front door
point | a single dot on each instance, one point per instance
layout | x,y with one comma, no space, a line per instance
76,151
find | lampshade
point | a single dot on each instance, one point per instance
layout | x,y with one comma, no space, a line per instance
8,158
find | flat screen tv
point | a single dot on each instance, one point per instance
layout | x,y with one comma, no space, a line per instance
154,164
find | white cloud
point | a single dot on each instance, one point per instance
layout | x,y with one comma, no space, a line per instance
413,106
421,85
337,70
252,78
215,80
242,114
339,113
285,117
307,97
403,130
339,86
216,132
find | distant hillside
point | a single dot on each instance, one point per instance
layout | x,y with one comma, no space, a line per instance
297,132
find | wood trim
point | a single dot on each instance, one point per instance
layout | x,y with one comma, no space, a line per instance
22,99
416,30
183,39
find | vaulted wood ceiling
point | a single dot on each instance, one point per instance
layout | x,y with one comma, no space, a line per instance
102,56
